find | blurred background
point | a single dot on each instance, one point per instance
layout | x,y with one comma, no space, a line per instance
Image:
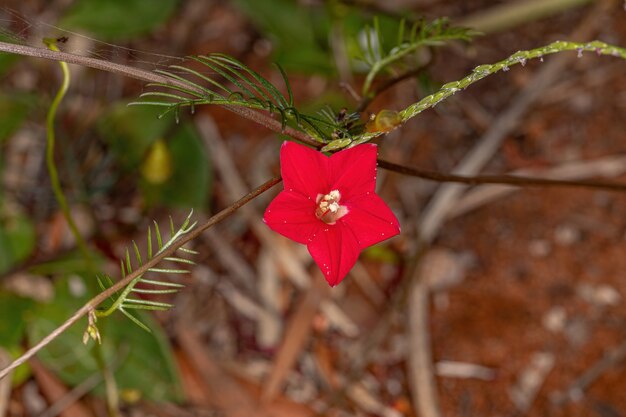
515,308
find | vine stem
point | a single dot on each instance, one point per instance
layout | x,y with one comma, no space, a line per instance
51,139
512,180
276,126
381,64
101,297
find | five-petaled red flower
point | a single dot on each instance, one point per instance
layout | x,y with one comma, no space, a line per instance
330,205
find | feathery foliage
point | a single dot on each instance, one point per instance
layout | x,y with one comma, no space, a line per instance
378,56
123,300
233,84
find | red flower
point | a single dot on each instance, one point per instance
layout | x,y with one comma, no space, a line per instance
330,205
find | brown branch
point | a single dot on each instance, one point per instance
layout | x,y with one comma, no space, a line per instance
151,77
609,361
513,180
421,368
97,300
387,84
275,125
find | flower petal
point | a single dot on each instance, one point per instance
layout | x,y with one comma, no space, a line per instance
353,171
335,250
293,215
304,170
371,220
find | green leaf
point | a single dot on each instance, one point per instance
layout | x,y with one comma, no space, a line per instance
131,130
13,110
23,372
74,262
17,240
7,60
144,361
382,253
118,19
299,33
13,312
190,183
380,54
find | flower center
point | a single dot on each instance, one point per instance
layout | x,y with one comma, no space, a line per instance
328,208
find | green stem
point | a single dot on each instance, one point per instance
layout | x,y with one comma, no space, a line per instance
110,385
482,71
518,58
52,169
109,380
383,63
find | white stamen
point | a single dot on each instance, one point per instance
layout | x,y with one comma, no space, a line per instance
329,210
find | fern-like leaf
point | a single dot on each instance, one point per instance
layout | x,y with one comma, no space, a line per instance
122,300
242,87
232,84
377,57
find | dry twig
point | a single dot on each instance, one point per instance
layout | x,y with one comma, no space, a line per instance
5,384
577,388
421,370
297,333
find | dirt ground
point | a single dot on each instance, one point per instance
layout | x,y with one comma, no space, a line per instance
526,310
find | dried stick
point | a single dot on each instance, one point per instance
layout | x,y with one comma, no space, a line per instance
5,386
422,371
505,179
610,166
576,389
511,14
297,333
63,401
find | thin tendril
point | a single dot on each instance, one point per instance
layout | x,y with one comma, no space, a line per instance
50,138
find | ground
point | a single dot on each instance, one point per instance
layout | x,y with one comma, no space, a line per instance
527,288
